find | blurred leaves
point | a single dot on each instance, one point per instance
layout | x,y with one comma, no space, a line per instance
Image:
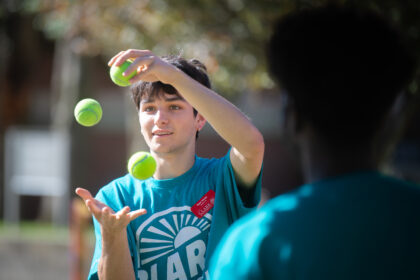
227,35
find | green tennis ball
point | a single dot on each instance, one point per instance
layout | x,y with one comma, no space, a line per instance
116,74
141,165
88,112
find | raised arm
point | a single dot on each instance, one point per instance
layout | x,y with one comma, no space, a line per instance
115,261
227,120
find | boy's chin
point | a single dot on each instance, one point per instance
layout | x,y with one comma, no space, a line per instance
160,149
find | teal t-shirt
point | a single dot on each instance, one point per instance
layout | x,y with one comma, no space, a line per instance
357,226
170,241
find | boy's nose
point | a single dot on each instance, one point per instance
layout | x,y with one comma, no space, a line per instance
161,117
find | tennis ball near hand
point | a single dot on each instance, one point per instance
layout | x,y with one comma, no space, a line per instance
88,112
141,165
116,74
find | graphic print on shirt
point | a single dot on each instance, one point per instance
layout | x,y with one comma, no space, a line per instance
172,245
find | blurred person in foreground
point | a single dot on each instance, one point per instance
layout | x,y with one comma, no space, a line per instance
341,70
167,226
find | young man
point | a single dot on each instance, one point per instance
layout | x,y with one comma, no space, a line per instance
166,227
341,70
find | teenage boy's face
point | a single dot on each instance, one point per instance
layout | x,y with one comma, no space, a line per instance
168,123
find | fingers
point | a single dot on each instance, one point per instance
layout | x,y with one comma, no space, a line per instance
124,55
101,211
136,213
112,60
131,215
140,64
95,209
122,212
94,206
84,194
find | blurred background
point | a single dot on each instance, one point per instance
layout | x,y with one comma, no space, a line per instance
54,53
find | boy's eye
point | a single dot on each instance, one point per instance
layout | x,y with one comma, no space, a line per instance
149,109
174,107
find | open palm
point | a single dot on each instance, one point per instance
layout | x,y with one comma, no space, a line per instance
109,219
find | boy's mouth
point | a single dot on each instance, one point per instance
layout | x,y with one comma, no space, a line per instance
160,133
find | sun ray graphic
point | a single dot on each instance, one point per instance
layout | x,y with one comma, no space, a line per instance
154,249
188,218
202,221
203,225
145,261
169,231
175,217
182,219
167,225
158,231
149,240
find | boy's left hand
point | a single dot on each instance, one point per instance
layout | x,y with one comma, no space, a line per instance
149,67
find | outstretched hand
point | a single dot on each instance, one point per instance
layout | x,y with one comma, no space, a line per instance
149,67
110,220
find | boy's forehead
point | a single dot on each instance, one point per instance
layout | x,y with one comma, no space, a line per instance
165,97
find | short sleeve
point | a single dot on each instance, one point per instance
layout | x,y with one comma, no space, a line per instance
228,206
234,203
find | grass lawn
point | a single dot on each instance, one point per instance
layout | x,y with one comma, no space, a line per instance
38,231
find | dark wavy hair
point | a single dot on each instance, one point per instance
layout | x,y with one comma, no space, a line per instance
193,68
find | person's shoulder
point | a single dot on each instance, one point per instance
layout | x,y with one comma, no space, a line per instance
398,181
209,163
399,184
261,217
273,213
277,217
202,161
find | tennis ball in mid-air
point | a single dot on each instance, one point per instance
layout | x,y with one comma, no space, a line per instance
141,165
88,112
116,74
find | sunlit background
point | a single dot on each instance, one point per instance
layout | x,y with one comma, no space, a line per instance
54,53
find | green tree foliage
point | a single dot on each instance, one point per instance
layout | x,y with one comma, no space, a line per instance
227,35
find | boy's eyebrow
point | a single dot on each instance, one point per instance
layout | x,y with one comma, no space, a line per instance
168,99
174,98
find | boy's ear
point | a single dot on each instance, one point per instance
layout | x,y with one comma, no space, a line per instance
200,121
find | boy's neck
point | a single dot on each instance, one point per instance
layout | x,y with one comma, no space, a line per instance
172,165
